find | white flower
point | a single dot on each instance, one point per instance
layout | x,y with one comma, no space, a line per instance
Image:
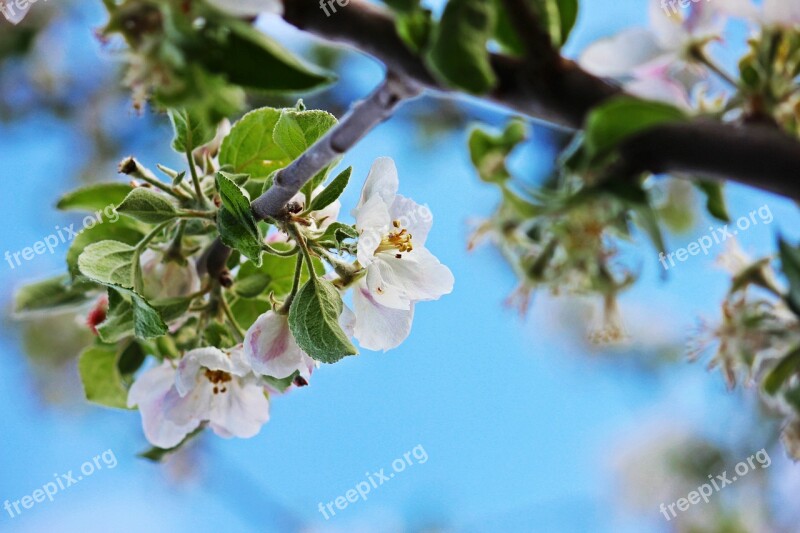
167,279
400,271
247,8
781,13
651,61
208,385
271,350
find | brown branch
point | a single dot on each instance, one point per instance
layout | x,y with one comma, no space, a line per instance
750,154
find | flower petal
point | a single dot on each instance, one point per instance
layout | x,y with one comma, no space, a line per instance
382,182
373,223
271,349
419,273
378,327
619,55
416,219
241,411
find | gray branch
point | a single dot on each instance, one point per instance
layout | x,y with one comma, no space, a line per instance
364,116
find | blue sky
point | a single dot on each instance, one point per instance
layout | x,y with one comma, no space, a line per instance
518,421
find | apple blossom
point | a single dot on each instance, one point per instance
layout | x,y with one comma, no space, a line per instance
653,62
400,271
208,385
167,279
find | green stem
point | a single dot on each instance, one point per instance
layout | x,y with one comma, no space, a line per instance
193,213
274,251
298,269
198,190
229,315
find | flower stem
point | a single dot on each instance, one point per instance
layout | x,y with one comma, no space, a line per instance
699,55
198,190
298,270
229,315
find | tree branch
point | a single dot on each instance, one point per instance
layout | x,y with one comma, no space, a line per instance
361,119
750,154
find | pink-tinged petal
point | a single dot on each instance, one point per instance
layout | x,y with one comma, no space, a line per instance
382,182
373,223
240,411
378,327
619,55
419,273
744,9
414,218
271,349
152,384
166,417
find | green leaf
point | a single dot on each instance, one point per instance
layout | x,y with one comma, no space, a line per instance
131,358
459,53
135,316
335,235
123,230
102,382
782,372
790,264
251,59
109,263
148,206
52,294
236,223
314,321
250,149
191,130
715,199
94,197
611,123
296,131
332,192
489,152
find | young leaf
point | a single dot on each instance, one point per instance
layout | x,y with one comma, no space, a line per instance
335,235
191,130
790,264
94,197
147,206
249,58
458,53
102,382
108,263
610,124
489,152
782,372
124,230
51,294
715,199
332,192
138,317
250,149
314,322
296,131
236,223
